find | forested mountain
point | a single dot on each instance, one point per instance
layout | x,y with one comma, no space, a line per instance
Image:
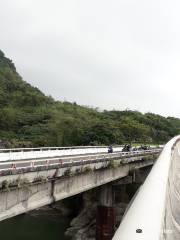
29,118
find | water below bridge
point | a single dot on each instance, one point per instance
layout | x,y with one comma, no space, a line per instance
37,226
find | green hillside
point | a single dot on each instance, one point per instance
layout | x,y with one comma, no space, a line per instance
29,118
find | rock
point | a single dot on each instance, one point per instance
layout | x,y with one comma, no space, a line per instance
61,207
85,216
72,231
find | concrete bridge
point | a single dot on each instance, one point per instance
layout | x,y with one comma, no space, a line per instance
155,212
34,177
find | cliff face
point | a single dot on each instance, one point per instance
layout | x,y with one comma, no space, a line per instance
21,106
14,91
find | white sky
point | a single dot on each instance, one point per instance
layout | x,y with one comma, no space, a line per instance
112,54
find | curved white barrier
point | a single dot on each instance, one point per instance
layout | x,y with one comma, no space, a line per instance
146,219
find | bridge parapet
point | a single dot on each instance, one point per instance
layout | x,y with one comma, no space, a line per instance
76,163
36,153
154,213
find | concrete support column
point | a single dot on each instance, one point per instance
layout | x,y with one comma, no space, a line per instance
105,221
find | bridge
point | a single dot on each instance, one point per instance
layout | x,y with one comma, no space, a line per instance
34,177
155,212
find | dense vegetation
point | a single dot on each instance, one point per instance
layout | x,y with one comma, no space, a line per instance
29,118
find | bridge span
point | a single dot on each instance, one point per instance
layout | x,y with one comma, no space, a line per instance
32,178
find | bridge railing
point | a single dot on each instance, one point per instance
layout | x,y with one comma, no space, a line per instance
75,160
154,214
30,153
35,153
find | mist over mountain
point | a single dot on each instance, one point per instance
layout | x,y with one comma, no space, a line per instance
29,118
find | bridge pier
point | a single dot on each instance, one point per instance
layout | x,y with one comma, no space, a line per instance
122,191
106,217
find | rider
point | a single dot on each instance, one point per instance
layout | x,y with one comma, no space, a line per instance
110,149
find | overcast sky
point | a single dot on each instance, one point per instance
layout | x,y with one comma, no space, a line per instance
112,54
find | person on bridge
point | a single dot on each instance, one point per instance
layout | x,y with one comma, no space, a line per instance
127,148
110,149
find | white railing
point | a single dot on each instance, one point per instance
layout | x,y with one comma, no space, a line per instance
155,212
35,153
78,159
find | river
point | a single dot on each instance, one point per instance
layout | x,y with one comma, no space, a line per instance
45,225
